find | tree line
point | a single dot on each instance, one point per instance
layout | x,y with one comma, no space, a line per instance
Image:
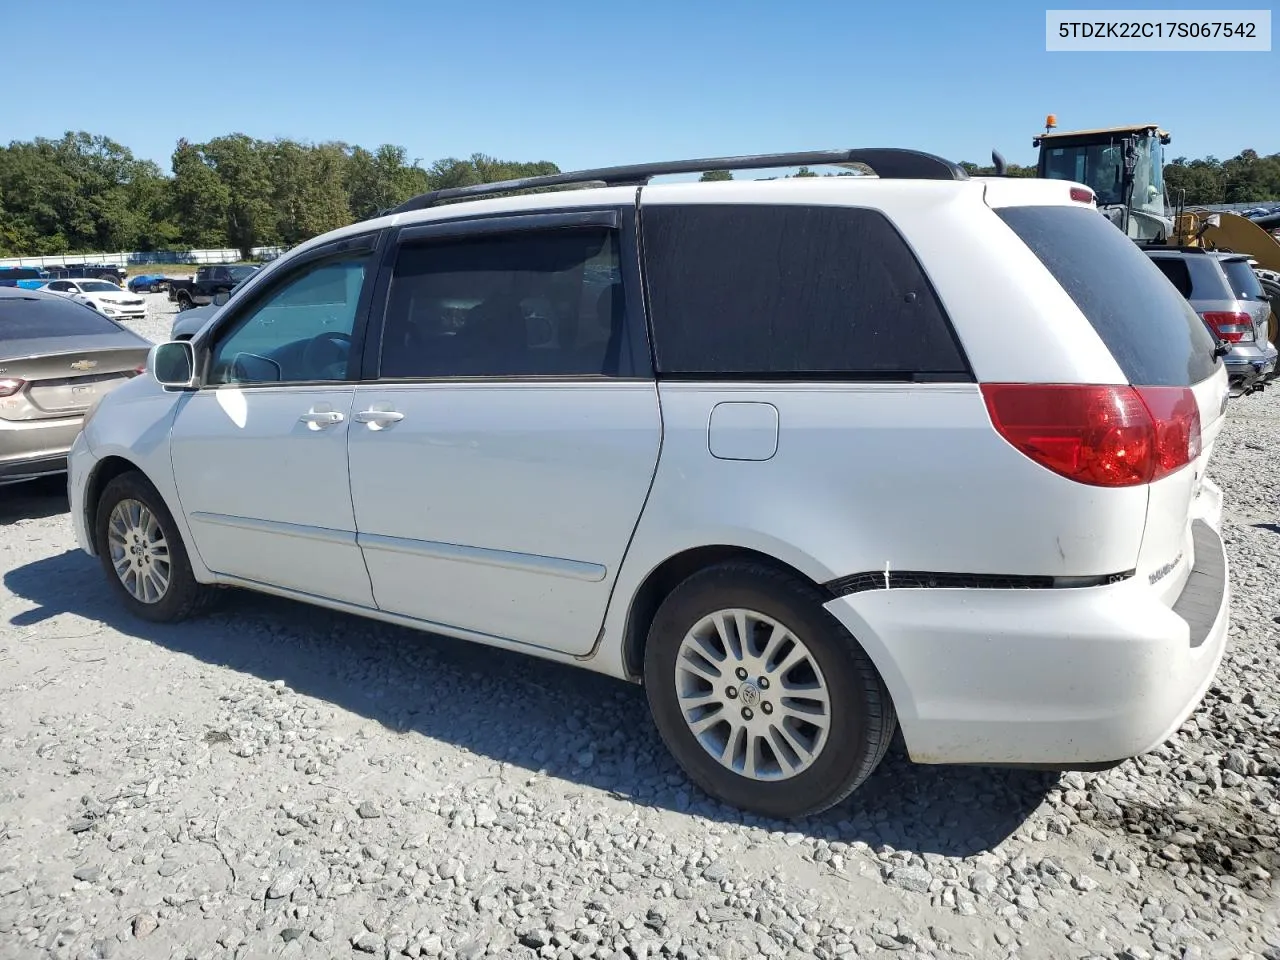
85,192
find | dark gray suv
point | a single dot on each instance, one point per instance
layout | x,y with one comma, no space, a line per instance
1223,289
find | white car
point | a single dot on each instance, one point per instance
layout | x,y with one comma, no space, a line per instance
812,459
102,295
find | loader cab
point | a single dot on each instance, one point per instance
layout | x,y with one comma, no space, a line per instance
1124,166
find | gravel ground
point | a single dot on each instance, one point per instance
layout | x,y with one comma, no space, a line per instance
275,780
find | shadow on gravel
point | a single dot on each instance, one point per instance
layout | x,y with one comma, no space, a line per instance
33,499
1273,527
582,727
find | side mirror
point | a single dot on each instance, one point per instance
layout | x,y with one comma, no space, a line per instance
221,297
173,364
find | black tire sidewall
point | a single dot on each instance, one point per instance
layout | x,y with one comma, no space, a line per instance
184,591
852,743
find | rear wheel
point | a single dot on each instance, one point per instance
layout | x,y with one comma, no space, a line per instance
763,698
184,300
143,554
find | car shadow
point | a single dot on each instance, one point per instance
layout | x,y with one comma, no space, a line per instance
447,690
1273,527
33,499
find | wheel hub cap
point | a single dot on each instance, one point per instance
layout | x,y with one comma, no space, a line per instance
139,551
753,694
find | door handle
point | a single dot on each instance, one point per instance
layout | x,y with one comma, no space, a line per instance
379,416
322,418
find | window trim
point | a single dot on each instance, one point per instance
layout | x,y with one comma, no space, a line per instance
621,220
368,243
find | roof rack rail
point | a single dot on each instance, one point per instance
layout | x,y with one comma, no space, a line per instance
886,162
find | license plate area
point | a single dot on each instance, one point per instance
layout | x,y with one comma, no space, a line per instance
71,394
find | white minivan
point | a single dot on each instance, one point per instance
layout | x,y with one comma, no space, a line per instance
813,459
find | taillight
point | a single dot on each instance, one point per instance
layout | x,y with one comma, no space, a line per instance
1105,436
1232,327
11,386
1081,195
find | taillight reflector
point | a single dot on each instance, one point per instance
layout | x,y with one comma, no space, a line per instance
1105,436
1232,327
11,386
1081,195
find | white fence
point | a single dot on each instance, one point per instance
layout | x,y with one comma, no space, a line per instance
152,256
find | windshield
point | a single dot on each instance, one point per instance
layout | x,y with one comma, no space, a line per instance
99,286
241,273
1244,282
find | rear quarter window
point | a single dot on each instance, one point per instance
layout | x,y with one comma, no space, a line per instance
791,291
1155,336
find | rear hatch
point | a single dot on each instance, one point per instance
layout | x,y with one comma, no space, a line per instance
1248,291
1163,350
58,357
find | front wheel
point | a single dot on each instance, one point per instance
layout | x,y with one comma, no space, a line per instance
184,301
763,698
143,554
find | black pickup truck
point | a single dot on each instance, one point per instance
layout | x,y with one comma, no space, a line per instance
209,282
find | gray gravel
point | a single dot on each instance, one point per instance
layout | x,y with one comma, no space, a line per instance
276,780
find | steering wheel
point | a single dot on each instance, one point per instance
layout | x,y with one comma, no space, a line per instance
326,350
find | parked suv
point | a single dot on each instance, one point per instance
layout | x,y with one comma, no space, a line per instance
1225,292
812,459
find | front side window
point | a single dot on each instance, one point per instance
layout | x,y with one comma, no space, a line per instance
528,304
299,332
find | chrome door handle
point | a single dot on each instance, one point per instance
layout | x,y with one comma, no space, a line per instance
379,416
321,418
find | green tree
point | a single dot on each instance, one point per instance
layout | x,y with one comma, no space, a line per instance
201,201
382,179
310,194
243,164
711,176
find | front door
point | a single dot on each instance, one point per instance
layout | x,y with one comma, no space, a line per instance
503,451
260,451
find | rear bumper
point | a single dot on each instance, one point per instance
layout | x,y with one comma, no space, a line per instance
1056,678
1247,369
35,448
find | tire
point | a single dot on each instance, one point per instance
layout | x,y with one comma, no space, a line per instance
182,595
859,712
184,301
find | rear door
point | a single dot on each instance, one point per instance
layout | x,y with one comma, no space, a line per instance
507,431
1156,339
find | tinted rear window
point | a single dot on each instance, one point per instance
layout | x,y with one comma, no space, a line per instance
791,291
1155,336
1244,282
23,319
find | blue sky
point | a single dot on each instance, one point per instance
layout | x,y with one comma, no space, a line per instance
611,81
